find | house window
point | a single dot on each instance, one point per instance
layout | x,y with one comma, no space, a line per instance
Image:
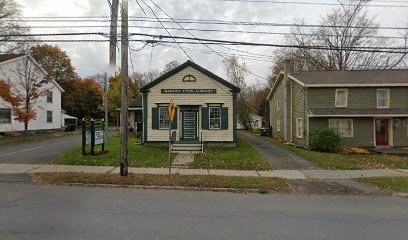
5,116
49,116
278,125
343,126
164,121
299,128
383,98
49,96
341,98
215,117
278,105
189,78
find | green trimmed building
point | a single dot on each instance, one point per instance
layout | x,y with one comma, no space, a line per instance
367,108
205,108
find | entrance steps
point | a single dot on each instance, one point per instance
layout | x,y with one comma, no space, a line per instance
187,148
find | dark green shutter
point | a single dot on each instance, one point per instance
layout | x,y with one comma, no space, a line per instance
204,118
224,118
174,124
155,118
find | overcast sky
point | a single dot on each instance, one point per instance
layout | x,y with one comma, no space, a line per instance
92,58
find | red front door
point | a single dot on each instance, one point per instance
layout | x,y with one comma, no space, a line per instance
381,132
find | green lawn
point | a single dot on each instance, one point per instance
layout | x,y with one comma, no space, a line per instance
399,184
139,155
262,184
243,157
346,161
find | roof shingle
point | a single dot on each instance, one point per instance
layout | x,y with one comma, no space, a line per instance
6,57
353,77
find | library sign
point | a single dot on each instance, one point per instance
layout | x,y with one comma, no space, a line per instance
189,91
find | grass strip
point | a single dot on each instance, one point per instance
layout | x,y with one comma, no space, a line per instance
263,184
398,184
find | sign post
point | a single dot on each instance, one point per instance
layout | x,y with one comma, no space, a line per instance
171,119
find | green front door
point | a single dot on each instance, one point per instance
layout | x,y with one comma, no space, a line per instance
190,126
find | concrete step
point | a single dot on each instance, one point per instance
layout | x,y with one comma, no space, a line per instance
186,151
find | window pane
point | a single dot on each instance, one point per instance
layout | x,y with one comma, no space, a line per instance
341,98
164,118
215,118
382,98
5,116
49,116
334,124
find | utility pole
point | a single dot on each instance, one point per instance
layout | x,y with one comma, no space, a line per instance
124,92
113,32
106,107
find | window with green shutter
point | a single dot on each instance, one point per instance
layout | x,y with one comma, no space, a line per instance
160,118
224,118
204,118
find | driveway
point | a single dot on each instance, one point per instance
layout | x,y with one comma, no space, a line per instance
38,152
280,158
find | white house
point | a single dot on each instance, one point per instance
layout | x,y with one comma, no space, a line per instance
48,108
256,122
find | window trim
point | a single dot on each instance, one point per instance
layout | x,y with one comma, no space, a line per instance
340,130
209,118
166,109
52,117
190,78
52,96
278,125
336,97
299,134
10,116
278,105
388,97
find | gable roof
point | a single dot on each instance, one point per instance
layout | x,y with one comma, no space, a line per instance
11,57
197,67
353,77
7,57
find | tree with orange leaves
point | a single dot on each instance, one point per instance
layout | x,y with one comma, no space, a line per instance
22,93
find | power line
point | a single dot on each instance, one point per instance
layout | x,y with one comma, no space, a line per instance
204,43
167,30
203,40
205,22
313,3
397,50
214,30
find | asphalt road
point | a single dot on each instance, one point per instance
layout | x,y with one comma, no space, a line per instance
32,212
38,152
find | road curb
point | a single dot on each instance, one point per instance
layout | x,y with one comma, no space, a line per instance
233,190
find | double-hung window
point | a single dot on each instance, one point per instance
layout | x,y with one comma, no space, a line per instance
164,121
49,96
215,117
49,116
341,98
278,125
299,128
343,126
383,98
278,105
5,116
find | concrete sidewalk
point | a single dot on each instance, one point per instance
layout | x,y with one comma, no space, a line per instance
286,174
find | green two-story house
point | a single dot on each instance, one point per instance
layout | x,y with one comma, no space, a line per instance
367,108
